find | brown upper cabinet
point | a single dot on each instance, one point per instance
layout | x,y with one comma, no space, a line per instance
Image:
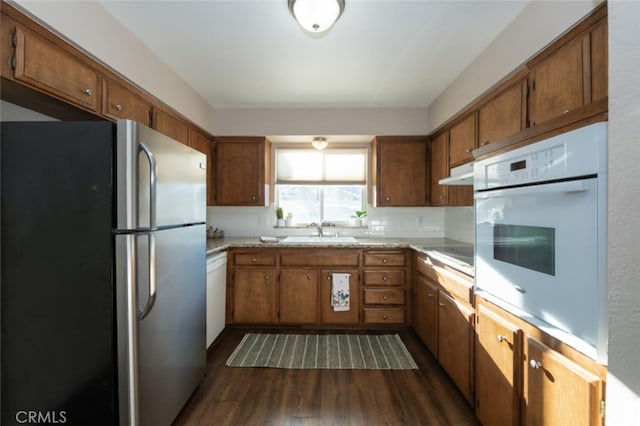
400,171
599,63
463,138
241,168
170,125
557,84
439,194
121,102
201,142
46,67
504,114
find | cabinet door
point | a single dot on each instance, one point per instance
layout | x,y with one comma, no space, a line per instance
425,313
402,173
120,102
254,296
202,143
298,296
557,85
329,316
556,390
455,341
504,115
439,169
48,67
239,172
462,141
170,126
599,62
498,345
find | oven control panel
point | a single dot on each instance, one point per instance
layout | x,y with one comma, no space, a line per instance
581,152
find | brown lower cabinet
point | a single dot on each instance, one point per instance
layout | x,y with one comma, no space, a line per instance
444,318
329,316
254,296
299,296
525,377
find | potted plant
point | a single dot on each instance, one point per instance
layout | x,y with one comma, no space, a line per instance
359,216
289,220
280,217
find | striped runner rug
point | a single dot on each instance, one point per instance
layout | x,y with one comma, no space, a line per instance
324,351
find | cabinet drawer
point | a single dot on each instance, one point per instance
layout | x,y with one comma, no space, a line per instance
382,258
320,257
390,277
383,316
451,283
258,259
383,296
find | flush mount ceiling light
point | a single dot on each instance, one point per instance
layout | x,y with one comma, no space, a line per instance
319,143
316,16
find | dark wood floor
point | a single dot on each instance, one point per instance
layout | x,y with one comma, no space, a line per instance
265,396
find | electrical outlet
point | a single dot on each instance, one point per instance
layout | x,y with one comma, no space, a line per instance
419,221
261,222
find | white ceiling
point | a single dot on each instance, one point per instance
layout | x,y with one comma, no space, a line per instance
252,53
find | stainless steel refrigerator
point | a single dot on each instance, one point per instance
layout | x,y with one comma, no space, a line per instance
103,273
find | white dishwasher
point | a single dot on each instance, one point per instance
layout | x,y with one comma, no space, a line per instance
216,294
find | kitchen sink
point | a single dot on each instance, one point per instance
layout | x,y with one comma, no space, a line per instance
319,240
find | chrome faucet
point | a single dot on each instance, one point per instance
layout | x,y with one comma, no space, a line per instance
320,227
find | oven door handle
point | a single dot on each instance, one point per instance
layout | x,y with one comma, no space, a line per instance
550,188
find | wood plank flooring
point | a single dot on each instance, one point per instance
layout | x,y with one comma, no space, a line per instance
264,396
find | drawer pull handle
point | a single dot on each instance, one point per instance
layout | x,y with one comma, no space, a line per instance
87,92
118,107
535,364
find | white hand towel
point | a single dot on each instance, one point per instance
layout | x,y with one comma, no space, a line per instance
340,292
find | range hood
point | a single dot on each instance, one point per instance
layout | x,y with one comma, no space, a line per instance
461,175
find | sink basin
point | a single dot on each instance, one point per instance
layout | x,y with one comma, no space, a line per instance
319,240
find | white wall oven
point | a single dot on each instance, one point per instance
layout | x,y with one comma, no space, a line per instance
540,249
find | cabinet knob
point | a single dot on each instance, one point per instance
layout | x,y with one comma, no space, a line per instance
535,364
309,277
430,294
384,297
387,198
384,260
118,107
566,111
87,92
484,143
501,338
384,278
253,198
266,277
441,304
254,260
384,317
468,150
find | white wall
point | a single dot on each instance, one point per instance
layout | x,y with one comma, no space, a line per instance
536,26
94,30
623,387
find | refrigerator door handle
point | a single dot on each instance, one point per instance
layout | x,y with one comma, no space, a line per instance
152,183
142,313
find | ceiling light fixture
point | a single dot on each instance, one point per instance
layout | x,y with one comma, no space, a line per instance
316,16
319,143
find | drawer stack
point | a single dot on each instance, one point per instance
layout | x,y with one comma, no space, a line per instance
384,286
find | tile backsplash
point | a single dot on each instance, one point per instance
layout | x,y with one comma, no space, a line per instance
401,222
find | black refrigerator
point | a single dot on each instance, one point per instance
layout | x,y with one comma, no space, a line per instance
103,274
